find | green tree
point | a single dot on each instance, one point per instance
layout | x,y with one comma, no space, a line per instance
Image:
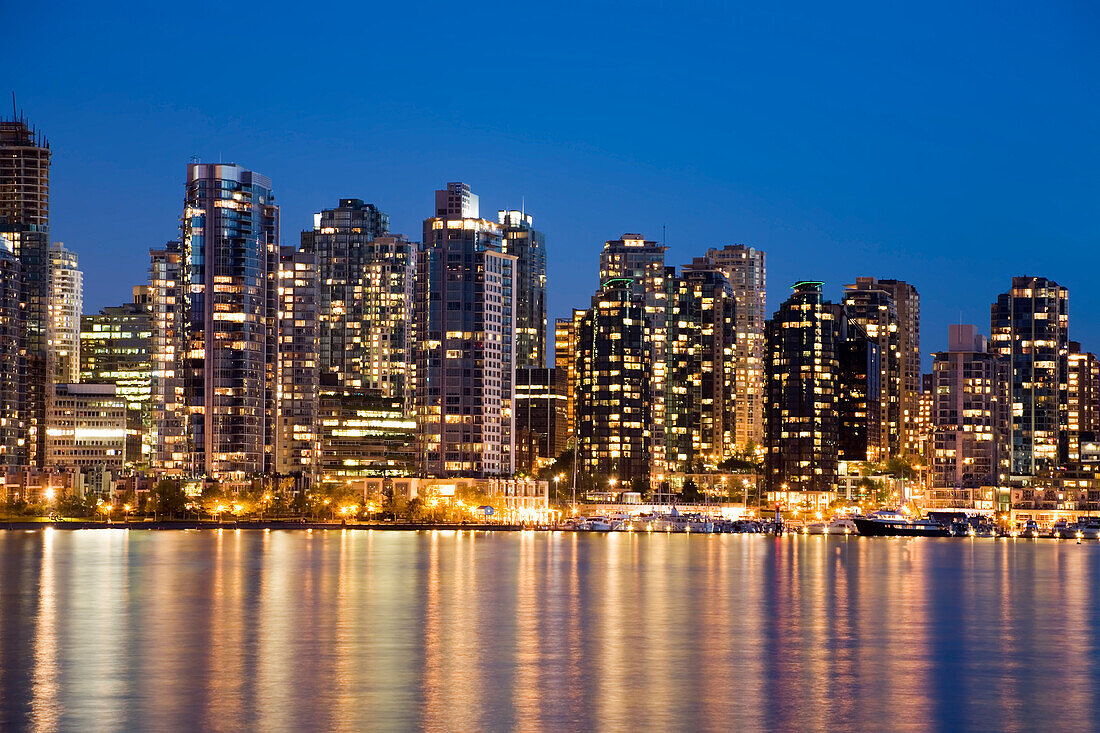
691,493
900,467
168,498
71,505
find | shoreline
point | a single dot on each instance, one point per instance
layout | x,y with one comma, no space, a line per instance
29,525
191,524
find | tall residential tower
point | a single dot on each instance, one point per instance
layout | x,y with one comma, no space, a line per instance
745,269
365,278
25,224
464,327
529,246
227,357
1029,326
66,307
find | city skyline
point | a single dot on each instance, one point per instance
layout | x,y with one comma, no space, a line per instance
683,257
945,148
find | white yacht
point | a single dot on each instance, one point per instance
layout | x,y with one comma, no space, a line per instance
842,525
598,524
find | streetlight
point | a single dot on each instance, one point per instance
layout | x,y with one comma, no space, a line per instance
127,507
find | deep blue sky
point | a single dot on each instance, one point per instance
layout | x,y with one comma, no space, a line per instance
948,144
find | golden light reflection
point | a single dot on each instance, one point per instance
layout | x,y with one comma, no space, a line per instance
466,630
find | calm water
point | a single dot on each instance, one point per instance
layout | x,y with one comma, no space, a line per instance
104,629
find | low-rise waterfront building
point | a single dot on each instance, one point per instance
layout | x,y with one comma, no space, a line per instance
363,433
520,499
86,427
117,347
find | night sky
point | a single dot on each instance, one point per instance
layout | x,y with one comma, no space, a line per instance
947,144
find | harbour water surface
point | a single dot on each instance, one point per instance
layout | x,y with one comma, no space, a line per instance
445,630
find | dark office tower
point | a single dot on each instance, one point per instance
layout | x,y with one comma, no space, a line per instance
297,432
872,307
25,221
970,418
228,357
1083,415
117,346
643,263
464,342
613,407
821,392
1029,326
746,270
859,392
529,246
540,414
12,364
700,390
365,280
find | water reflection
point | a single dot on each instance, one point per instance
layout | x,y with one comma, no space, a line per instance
113,630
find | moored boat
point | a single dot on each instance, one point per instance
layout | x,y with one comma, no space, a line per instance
1063,530
842,525
1089,527
896,524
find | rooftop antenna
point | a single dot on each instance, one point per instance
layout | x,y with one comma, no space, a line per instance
664,241
13,112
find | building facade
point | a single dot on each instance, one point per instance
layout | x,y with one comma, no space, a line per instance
365,279
971,418
541,414
529,247
297,434
24,223
907,302
66,307
1083,407
13,386
873,308
363,433
613,402
822,389
86,427
745,269
565,363
117,346
464,328
171,448
1029,326
635,259
701,395
227,357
